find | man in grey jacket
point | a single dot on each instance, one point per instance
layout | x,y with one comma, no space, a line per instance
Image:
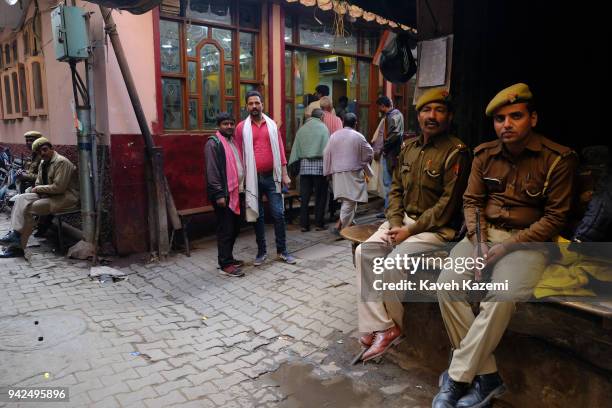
393,132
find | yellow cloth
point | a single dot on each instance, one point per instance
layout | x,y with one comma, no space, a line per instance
569,275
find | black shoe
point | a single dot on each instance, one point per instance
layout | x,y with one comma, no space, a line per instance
450,393
483,390
11,238
238,263
11,252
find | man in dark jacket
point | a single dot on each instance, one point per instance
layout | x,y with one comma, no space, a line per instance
393,132
225,181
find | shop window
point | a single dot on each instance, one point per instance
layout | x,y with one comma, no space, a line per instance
248,15
214,11
210,66
322,36
221,61
288,30
229,80
170,46
193,114
192,79
229,107
172,103
364,80
247,56
224,38
195,34
370,44
288,75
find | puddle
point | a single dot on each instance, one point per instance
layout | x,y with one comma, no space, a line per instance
302,388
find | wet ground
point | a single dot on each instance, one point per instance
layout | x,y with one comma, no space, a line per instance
178,334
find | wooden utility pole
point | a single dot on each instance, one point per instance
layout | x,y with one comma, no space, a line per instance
161,205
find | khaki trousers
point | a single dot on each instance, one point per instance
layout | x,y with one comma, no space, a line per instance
475,338
347,212
378,316
26,206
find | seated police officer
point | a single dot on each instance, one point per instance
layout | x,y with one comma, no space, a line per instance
521,185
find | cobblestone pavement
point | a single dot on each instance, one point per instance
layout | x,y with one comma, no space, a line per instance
177,333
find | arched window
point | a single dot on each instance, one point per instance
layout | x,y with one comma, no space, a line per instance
209,60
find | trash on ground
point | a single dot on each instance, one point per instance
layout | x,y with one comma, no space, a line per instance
81,250
106,274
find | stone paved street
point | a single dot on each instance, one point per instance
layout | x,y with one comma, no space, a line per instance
178,333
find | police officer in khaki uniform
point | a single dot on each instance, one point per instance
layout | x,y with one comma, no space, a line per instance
425,195
56,190
27,177
521,185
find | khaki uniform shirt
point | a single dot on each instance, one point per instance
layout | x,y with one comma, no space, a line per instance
428,183
531,192
32,171
63,183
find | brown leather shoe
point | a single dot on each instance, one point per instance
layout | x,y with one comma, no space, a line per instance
367,339
382,341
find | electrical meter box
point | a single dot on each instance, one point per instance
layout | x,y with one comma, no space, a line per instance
69,33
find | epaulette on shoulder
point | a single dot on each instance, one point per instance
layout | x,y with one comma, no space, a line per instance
408,142
458,147
486,146
563,151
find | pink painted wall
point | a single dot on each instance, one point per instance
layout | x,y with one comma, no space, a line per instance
136,34
114,113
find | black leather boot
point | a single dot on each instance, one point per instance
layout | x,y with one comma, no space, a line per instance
451,391
11,252
11,239
483,390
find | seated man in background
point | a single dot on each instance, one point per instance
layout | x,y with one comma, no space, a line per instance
56,190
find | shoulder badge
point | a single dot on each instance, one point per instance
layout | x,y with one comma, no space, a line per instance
556,147
485,146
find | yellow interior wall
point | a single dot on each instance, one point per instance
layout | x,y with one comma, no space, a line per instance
312,73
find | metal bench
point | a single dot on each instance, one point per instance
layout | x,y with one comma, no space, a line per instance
186,214
60,231
185,217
